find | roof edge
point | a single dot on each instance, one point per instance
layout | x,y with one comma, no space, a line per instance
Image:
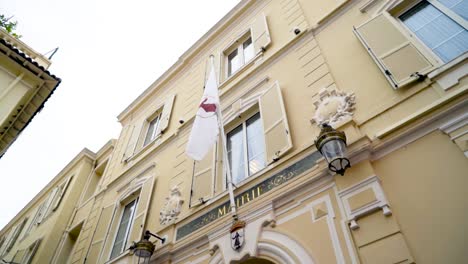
84,153
192,50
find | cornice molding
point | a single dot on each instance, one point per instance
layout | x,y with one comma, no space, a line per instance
84,154
194,49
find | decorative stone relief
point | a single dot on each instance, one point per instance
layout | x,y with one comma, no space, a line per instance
172,207
333,106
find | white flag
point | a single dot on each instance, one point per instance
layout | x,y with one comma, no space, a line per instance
205,127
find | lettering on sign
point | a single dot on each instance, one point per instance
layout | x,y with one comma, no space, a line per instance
251,194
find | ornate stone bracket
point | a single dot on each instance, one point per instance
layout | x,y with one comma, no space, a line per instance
333,106
172,207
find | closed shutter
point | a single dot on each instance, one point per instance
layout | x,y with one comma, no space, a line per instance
99,237
202,179
63,189
141,211
133,141
166,113
32,252
260,34
275,124
400,61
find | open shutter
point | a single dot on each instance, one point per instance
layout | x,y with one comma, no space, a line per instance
260,34
166,113
16,234
34,220
33,249
9,245
132,143
18,256
59,198
100,234
202,179
275,124
400,61
220,177
141,211
41,212
52,198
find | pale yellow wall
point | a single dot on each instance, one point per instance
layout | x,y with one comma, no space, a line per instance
12,95
331,57
314,234
425,183
53,225
378,104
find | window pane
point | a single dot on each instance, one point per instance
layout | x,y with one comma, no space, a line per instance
151,133
255,144
235,148
122,232
440,33
248,50
458,6
234,62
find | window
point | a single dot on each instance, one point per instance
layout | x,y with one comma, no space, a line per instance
30,252
15,235
94,180
124,229
153,129
440,25
246,149
147,129
435,24
2,241
239,54
257,135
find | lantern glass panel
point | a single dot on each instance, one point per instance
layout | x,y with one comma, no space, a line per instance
143,253
334,149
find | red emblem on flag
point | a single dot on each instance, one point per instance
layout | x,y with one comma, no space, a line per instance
208,107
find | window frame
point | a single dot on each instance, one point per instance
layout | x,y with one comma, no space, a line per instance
248,114
31,252
237,44
156,132
122,205
423,48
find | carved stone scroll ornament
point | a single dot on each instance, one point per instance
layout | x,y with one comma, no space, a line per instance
172,207
333,106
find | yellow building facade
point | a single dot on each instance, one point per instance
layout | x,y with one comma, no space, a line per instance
284,67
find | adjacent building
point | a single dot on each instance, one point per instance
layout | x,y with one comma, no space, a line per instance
390,74
36,233
25,85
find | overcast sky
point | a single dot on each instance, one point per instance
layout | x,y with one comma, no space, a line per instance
110,51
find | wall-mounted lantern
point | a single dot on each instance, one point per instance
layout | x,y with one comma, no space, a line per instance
332,145
144,248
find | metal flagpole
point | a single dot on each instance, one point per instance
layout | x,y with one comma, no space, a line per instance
225,156
226,167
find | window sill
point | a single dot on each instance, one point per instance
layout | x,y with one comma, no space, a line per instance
122,255
239,72
145,148
242,184
449,74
